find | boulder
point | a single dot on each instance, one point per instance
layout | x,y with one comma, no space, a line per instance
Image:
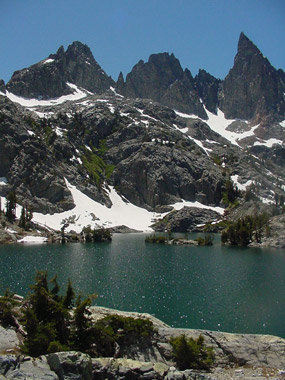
185,220
8,340
71,365
25,368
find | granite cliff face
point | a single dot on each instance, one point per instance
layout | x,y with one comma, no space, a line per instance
49,78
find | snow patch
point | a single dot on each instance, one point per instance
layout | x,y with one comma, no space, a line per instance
88,212
240,186
111,108
42,115
115,92
3,181
269,143
58,131
49,60
11,231
121,213
186,115
78,94
33,240
180,205
145,115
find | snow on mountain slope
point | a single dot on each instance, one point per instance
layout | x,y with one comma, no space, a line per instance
219,124
122,212
77,94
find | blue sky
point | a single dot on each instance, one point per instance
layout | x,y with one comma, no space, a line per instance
201,33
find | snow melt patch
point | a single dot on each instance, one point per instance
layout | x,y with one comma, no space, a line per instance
121,213
240,186
180,205
269,143
3,181
186,115
115,92
33,240
77,94
49,60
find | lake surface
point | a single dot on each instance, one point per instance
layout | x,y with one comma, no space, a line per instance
215,288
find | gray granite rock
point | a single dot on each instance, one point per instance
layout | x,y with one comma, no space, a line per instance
71,365
8,340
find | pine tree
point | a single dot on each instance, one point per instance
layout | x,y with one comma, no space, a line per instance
11,205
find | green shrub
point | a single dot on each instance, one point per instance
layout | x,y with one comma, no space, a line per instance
7,305
191,353
115,330
245,230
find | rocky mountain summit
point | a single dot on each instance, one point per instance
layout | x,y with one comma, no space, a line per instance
253,88
159,140
50,77
163,80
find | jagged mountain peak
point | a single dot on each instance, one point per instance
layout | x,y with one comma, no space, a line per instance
49,78
253,88
162,79
246,46
78,50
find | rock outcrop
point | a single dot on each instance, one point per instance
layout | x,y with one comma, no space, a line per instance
236,356
2,86
27,163
186,220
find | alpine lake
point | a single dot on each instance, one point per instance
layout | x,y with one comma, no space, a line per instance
240,290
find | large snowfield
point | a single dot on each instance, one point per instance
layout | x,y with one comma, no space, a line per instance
89,212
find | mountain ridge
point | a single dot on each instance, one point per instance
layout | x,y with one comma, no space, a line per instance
153,155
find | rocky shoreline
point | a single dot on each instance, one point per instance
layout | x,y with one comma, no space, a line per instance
237,356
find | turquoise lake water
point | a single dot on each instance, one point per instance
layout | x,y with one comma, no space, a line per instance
215,288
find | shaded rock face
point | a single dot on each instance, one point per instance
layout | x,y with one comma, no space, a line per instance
253,88
28,164
48,78
2,86
163,80
208,87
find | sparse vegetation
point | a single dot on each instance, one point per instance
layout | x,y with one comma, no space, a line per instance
245,230
230,194
55,322
191,353
206,240
155,239
96,235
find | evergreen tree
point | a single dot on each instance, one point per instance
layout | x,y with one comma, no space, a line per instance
11,205
22,221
